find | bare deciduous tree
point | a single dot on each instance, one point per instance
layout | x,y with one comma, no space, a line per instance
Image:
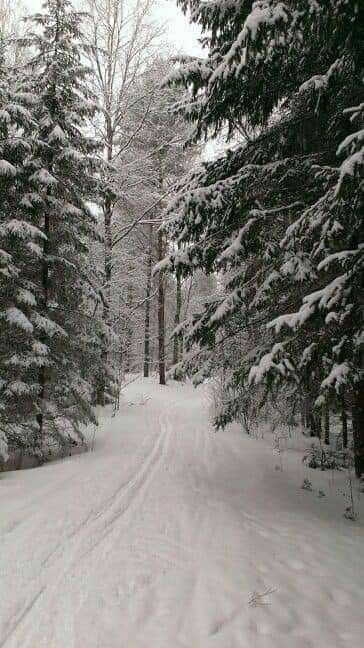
121,37
12,28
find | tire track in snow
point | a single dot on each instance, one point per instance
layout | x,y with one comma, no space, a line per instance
96,527
24,611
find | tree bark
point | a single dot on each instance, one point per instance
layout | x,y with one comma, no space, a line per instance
358,429
45,263
161,315
303,421
318,426
327,426
45,285
108,256
107,212
147,306
344,424
177,317
307,405
313,431
129,333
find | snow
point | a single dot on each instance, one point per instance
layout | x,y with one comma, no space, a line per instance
17,318
338,376
260,16
226,306
44,177
350,166
235,246
47,325
40,348
329,295
326,298
25,296
3,444
341,256
57,135
6,168
169,535
4,116
321,81
270,361
22,229
18,387
351,141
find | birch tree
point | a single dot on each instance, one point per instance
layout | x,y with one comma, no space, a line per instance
157,157
121,37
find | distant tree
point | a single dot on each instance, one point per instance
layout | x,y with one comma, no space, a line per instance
121,40
158,158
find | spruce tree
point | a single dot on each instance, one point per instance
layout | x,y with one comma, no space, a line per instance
20,247
280,214
63,182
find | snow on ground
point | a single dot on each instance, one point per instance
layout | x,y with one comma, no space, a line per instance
166,535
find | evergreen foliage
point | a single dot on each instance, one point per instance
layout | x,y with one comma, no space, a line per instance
20,241
48,362
279,216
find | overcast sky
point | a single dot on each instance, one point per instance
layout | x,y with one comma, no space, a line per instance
181,35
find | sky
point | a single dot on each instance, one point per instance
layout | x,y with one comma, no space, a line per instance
182,36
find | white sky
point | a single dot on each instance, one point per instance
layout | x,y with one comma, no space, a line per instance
180,34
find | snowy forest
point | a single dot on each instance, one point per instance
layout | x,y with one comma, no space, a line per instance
181,323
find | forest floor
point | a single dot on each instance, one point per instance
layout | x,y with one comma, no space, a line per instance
169,535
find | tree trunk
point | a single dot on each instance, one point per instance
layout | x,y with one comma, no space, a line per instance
358,429
45,285
108,209
161,315
344,423
327,425
177,317
313,432
107,212
101,390
303,422
42,377
307,413
147,306
129,332
318,426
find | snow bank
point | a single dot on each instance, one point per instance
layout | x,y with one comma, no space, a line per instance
170,535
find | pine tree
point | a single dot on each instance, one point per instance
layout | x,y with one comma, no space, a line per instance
280,214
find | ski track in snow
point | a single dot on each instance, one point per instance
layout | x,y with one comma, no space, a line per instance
160,538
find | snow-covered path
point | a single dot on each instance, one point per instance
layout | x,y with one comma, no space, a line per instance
160,538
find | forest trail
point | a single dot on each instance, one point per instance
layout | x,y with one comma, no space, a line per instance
170,535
